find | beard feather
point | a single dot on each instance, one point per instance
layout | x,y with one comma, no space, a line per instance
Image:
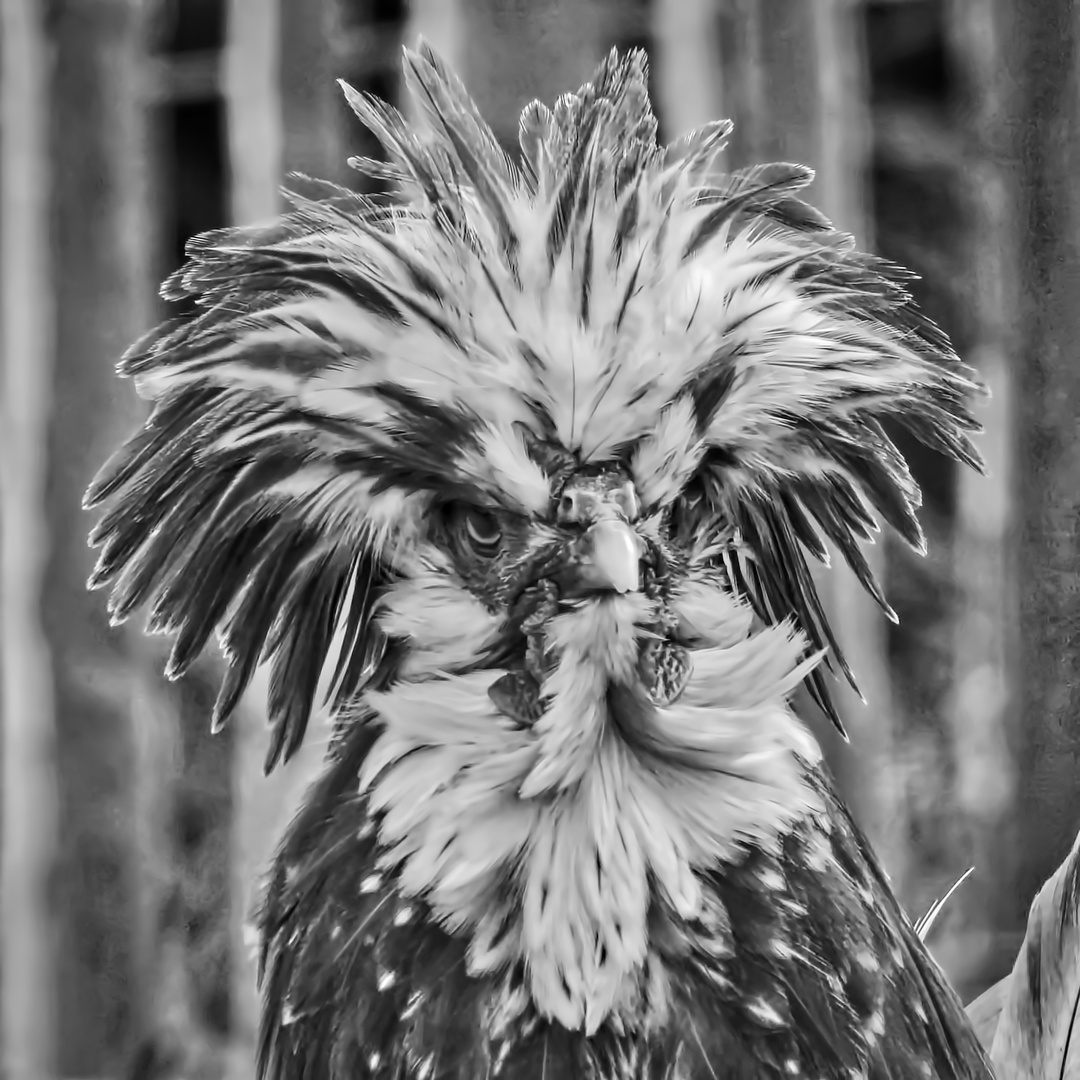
541,844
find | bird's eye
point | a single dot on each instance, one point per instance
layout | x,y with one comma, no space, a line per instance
482,530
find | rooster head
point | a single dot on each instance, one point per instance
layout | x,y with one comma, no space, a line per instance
534,456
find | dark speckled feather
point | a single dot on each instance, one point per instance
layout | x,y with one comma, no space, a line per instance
807,968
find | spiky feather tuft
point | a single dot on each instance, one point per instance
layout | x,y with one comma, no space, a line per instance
362,358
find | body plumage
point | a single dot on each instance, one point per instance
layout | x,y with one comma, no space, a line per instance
534,454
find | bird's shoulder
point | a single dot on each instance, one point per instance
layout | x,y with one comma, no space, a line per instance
827,976
802,965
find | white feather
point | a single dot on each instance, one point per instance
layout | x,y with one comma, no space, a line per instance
566,809
445,626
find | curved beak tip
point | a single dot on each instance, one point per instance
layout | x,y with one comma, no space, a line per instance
614,559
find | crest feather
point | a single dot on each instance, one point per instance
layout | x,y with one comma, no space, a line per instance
361,359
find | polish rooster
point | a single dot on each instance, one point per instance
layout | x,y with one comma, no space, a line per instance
526,463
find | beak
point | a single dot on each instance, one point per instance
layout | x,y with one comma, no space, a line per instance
610,557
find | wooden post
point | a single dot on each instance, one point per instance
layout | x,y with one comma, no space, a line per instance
871,770
743,81
313,108
255,150
686,64
284,115
27,312
252,70
795,85
986,631
441,23
103,287
1040,154
510,53
89,301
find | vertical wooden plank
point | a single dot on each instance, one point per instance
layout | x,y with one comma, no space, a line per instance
442,24
103,288
163,1027
251,78
252,82
284,115
1040,77
871,770
191,930
743,80
313,110
510,53
28,845
159,976
986,637
795,84
686,64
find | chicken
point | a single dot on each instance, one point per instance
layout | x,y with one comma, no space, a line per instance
527,463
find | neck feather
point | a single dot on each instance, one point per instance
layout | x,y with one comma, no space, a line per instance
550,844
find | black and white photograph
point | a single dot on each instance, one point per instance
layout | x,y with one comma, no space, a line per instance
539,540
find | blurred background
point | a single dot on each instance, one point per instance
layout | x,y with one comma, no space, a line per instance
945,135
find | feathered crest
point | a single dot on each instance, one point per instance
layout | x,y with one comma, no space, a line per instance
612,298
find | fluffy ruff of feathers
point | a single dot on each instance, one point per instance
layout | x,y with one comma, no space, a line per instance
550,844
626,887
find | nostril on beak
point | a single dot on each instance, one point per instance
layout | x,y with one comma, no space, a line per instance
611,557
